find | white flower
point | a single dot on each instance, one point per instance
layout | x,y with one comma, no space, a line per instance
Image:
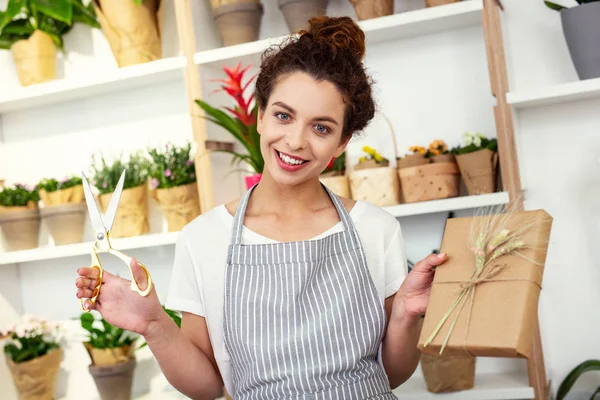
468,138
477,141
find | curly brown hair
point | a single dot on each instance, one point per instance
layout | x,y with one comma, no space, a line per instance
331,49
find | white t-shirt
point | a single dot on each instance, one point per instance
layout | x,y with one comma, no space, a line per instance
197,282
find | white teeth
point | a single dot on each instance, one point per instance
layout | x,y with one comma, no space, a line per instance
289,160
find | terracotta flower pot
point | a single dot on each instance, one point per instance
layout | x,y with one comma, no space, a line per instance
298,12
36,379
65,222
367,9
238,22
35,58
20,227
114,382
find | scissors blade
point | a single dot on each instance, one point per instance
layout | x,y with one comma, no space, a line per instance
95,215
111,211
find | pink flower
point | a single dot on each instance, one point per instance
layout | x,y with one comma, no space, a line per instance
168,172
189,162
154,183
105,185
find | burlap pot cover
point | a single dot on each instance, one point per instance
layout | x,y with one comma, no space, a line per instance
379,186
64,196
132,213
298,12
35,58
65,222
434,3
340,185
429,182
180,205
20,227
132,31
448,374
238,22
444,158
114,382
478,170
412,160
36,379
367,9
112,356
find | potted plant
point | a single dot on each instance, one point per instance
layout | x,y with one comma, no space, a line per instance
132,29
571,378
240,122
367,9
132,215
19,217
33,354
334,176
415,157
238,21
297,13
582,34
63,209
477,160
34,29
112,354
173,182
438,152
373,180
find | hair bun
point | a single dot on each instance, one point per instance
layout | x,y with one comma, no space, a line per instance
338,32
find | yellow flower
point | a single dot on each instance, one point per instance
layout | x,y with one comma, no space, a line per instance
378,157
369,150
418,149
362,159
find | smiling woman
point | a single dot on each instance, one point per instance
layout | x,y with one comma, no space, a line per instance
290,291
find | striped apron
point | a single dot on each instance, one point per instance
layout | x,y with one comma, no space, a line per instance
302,320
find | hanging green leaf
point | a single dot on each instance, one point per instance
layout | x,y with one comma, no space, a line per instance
571,378
60,10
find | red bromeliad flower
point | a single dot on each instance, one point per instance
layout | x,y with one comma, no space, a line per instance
330,165
233,87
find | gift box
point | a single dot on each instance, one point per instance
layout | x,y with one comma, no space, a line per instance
484,297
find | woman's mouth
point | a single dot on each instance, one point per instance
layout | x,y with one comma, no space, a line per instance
290,163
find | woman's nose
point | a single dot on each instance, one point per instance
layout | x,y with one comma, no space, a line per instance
296,138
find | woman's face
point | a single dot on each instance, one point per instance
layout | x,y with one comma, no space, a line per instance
301,128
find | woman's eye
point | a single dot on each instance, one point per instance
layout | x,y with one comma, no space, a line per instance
282,116
322,129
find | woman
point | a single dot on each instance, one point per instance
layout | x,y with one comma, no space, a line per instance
290,291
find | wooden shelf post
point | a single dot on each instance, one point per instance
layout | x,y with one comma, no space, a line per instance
507,150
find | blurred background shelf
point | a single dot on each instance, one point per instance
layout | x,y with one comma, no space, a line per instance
451,204
557,94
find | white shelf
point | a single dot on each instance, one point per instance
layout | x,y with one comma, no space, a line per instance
61,90
451,204
377,30
566,92
499,386
78,249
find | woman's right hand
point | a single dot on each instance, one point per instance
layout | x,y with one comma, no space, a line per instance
117,303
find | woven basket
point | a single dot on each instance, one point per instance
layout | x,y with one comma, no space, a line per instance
429,182
340,185
379,185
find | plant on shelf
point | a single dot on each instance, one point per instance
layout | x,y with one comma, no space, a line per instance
417,156
240,122
582,33
334,176
173,180
34,29
132,217
19,217
574,375
371,159
477,160
33,354
132,29
438,152
64,209
372,180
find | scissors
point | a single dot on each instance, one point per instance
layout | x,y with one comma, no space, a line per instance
102,224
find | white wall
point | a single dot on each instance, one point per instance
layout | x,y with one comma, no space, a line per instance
430,87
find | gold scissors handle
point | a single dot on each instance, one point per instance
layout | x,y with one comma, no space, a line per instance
134,284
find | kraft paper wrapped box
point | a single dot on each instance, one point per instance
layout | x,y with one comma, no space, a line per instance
484,298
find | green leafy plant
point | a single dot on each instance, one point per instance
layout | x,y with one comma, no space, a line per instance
19,195
171,166
474,142
336,165
571,378
103,335
52,184
56,18
106,176
33,338
242,121
558,7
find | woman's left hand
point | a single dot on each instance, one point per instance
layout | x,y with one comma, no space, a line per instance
413,297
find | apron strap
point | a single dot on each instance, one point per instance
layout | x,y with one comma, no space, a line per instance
238,221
